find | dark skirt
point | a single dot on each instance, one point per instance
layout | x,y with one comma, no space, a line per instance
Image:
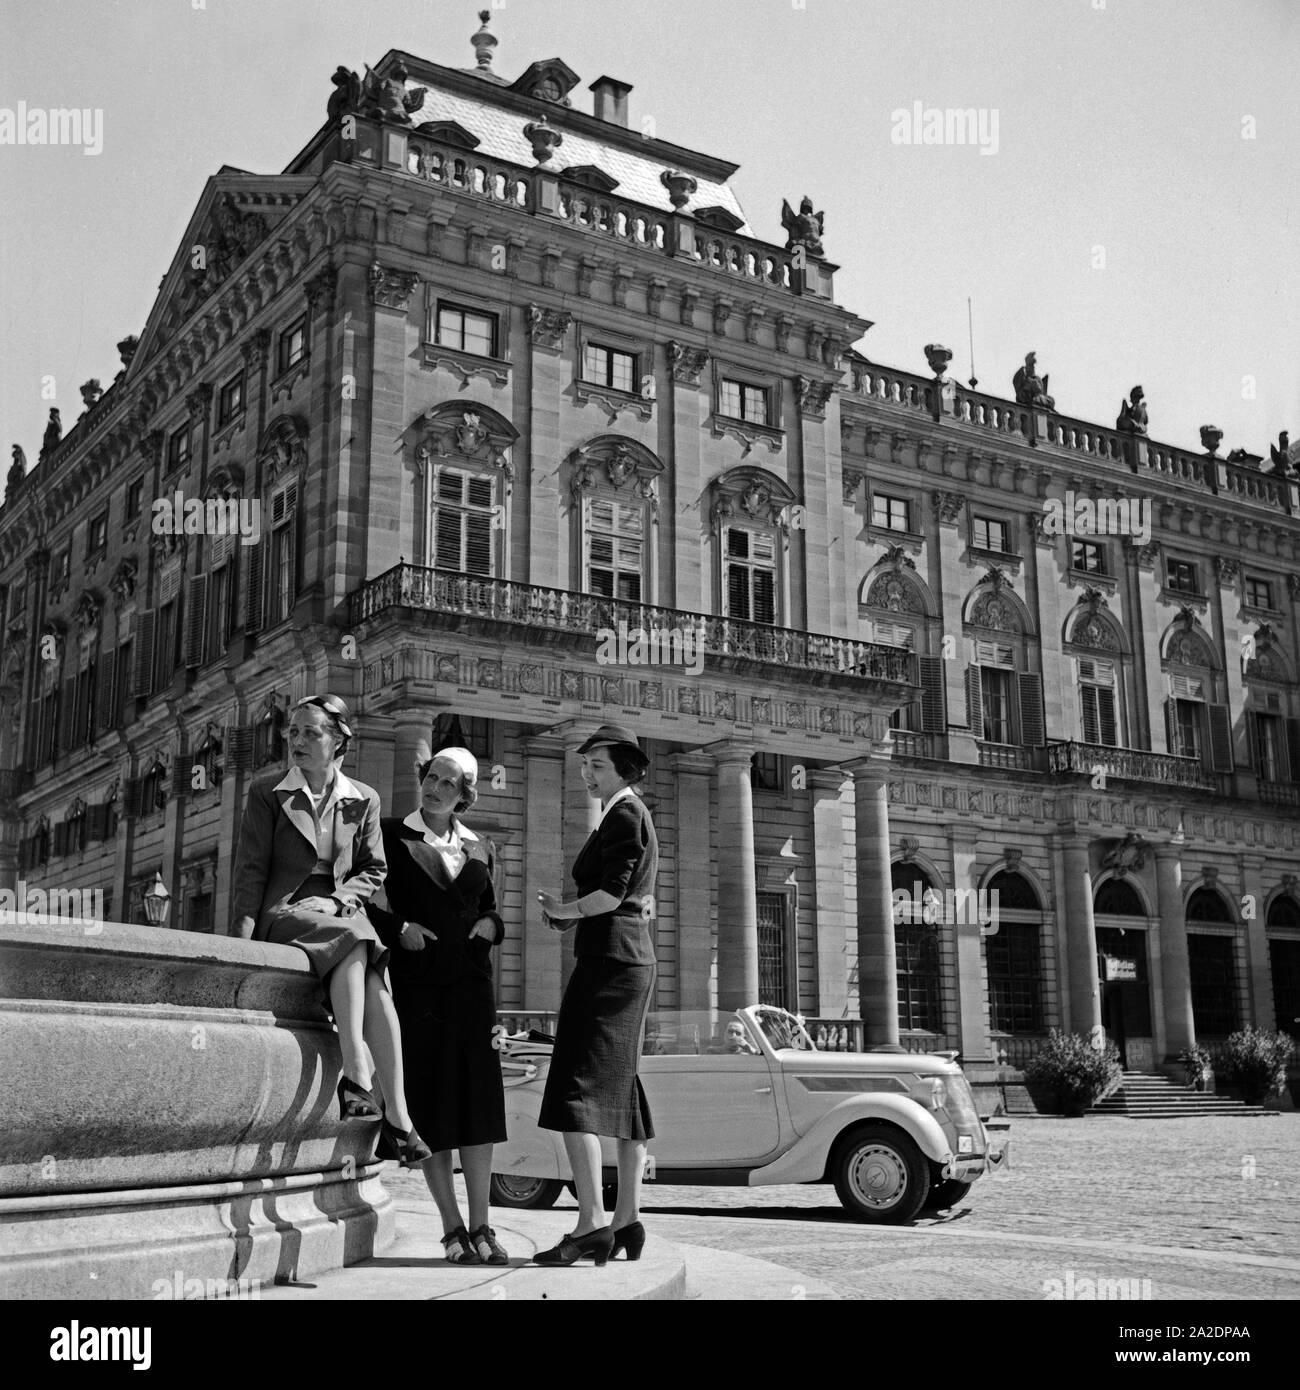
592,1086
452,1071
324,939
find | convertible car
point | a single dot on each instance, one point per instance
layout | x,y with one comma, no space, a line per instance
745,1099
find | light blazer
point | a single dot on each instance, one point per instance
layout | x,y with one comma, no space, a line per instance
621,857
277,851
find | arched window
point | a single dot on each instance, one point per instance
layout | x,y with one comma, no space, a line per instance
1004,699
1117,898
1284,963
918,962
1013,956
614,483
1212,960
1197,724
749,523
466,471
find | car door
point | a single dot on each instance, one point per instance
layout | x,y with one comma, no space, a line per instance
712,1111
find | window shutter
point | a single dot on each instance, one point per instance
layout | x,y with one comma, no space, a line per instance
105,714
67,713
253,596
142,674
1172,741
1032,730
930,669
1089,695
1293,747
1220,738
764,596
1252,741
1106,718
60,845
738,591
237,742
974,702
97,823
196,611
478,543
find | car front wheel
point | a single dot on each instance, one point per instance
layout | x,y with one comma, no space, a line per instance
507,1191
946,1194
880,1175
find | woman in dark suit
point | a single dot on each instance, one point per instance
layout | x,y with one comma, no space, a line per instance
310,856
592,1088
437,910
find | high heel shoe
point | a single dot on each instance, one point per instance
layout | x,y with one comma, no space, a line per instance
405,1145
571,1249
355,1102
630,1238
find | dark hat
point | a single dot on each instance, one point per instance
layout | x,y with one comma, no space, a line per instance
620,737
333,705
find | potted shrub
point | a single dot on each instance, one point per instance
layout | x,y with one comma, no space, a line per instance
1076,1071
1255,1061
1198,1067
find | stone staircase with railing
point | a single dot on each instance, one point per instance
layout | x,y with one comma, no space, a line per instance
1145,1095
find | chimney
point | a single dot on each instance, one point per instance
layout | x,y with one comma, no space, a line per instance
611,100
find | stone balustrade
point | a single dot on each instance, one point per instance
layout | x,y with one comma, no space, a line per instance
169,1106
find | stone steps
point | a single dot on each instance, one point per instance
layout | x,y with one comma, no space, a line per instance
1151,1096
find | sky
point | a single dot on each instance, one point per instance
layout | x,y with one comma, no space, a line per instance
1136,221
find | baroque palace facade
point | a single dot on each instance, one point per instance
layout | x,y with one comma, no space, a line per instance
504,376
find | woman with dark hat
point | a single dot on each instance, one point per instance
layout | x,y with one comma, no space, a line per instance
592,1088
310,856
437,911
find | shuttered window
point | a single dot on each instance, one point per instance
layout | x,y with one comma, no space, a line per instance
995,702
1097,702
930,670
1267,746
462,522
749,575
614,533
196,599
284,554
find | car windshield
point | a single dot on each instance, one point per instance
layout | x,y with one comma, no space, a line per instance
782,1029
697,1033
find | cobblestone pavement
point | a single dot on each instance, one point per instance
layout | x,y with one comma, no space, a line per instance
1200,1208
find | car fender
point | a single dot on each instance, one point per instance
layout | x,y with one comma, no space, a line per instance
806,1160
529,1152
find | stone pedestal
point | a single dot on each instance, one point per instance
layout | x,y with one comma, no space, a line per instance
170,1107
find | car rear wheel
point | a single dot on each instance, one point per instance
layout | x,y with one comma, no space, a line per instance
514,1191
880,1175
946,1194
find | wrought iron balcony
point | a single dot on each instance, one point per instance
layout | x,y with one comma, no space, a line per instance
1129,765
1279,793
542,610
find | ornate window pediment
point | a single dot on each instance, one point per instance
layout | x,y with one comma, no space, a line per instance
622,464
590,176
551,79
748,494
895,593
1187,645
467,430
450,133
715,215
996,607
282,449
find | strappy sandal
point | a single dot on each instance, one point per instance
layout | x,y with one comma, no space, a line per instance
457,1248
355,1102
490,1250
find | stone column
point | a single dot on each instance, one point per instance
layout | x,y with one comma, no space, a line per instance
411,729
550,522
1145,628
951,580
1060,701
737,887
1237,644
830,788
1081,942
694,865
877,955
1261,976
543,870
972,992
581,815
1175,1001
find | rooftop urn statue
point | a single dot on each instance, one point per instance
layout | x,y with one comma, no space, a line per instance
681,187
938,357
1280,453
53,431
91,391
1030,388
1211,438
803,228
1133,413
544,139
483,41
126,348
346,96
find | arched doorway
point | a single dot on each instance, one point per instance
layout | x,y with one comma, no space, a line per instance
1283,927
917,955
1122,970
1013,965
1212,962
